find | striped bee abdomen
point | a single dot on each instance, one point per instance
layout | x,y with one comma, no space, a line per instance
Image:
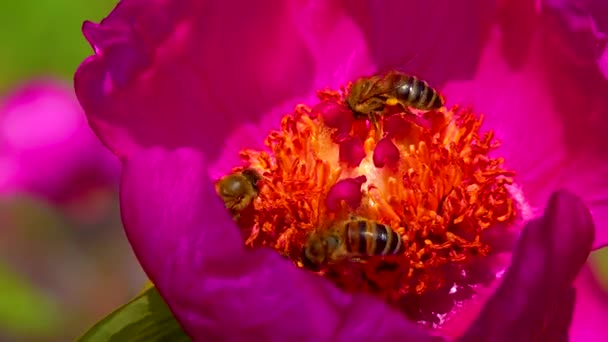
370,238
418,94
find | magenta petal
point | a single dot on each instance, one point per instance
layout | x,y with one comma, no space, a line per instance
603,62
516,20
193,252
163,73
579,28
46,146
551,115
591,310
536,293
347,190
444,38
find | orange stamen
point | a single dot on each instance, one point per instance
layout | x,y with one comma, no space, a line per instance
443,192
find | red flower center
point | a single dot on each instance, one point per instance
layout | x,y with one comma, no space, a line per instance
427,176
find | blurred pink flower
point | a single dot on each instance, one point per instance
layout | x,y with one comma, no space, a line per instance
176,88
47,148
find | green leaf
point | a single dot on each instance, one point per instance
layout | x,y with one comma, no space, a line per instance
145,318
24,309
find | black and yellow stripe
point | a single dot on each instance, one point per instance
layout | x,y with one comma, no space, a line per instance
418,93
369,238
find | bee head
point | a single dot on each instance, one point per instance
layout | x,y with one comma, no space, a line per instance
253,177
314,253
353,97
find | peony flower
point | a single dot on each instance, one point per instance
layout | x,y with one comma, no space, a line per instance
185,92
46,146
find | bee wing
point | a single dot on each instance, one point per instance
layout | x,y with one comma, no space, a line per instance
401,65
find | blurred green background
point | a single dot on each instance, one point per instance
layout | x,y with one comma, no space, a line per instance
62,268
42,37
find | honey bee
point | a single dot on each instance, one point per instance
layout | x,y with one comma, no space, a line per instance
238,189
354,238
368,96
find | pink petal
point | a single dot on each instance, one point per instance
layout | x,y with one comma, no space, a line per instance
186,73
438,40
591,310
535,299
334,39
217,289
516,18
46,146
551,115
578,28
165,74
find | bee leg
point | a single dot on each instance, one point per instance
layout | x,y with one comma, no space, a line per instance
416,118
407,111
374,120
